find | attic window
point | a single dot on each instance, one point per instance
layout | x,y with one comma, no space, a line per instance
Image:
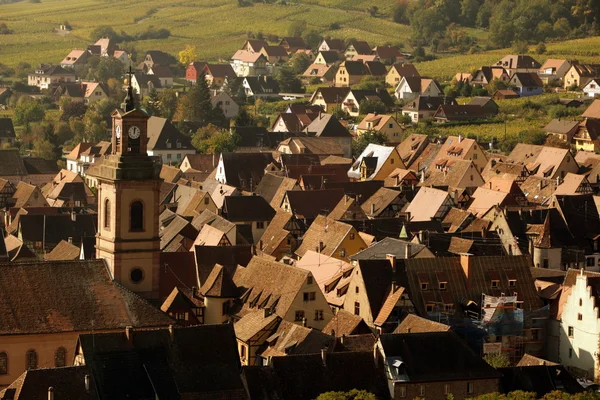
512,282
495,283
429,307
448,307
443,285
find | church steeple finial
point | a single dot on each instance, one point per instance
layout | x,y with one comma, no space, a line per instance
129,102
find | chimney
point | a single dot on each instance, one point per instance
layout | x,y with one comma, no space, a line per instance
372,208
422,176
171,332
304,322
70,239
321,246
407,251
73,216
129,333
392,259
460,138
50,393
343,338
194,291
324,356
465,263
86,382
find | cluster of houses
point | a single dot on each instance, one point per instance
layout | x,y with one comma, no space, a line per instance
409,262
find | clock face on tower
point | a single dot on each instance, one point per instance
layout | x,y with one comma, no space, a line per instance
118,131
134,132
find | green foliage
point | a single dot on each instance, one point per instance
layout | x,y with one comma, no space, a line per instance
167,103
243,118
104,31
196,104
540,48
497,360
353,394
297,28
312,39
372,106
28,111
107,68
371,82
212,140
72,109
151,103
400,12
300,62
288,81
363,140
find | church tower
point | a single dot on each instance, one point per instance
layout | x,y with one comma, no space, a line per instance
128,199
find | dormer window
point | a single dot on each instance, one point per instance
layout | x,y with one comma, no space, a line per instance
495,283
429,307
512,282
443,285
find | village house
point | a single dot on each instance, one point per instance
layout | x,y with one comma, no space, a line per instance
167,142
579,75
352,72
553,71
331,238
459,148
356,48
518,63
375,163
337,45
252,332
223,100
430,204
194,71
246,63
291,293
253,212
411,87
243,170
487,75
75,58
324,73
388,55
434,365
327,58
47,75
460,113
328,126
422,108
164,74
154,58
592,88
254,45
563,129
527,83
385,124
544,161
143,83
351,104
329,98
85,92
275,54
293,44
412,147
218,74
399,71
260,86
7,133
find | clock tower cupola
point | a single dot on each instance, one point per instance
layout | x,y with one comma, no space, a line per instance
128,198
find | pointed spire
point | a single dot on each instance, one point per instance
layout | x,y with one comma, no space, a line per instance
129,102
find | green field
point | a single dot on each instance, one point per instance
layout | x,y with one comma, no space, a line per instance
216,27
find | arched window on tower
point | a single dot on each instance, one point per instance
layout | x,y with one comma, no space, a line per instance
60,357
107,214
31,360
136,216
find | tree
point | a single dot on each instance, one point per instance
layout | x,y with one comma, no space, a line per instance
561,28
497,360
212,140
108,67
188,55
400,15
353,394
300,62
468,12
288,81
104,31
243,118
72,109
167,103
427,25
520,47
28,111
373,10
372,106
362,141
196,104
312,38
297,28
151,103
540,48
